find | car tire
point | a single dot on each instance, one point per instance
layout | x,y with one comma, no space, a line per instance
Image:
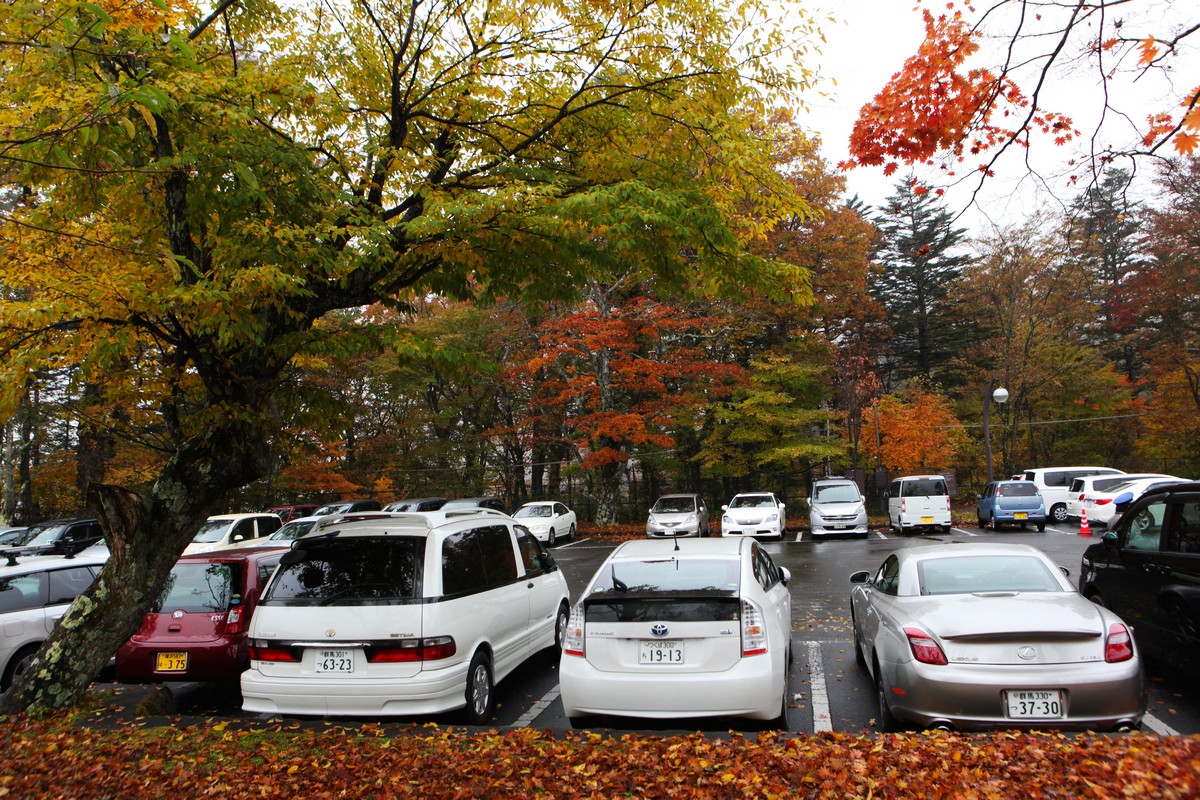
554,651
1098,599
858,652
995,524
946,528
571,532
887,721
18,664
1041,526
550,538
1059,513
480,693
582,722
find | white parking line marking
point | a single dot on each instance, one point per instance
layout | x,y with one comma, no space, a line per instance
572,543
964,531
537,708
881,534
820,692
1158,726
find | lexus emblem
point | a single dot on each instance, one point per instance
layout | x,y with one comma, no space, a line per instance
1027,653
659,630
330,633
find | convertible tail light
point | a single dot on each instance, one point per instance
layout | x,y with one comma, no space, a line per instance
754,633
233,621
1119,645
573,638
924,648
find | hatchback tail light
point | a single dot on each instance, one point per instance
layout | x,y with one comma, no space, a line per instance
754,633
573,636
233,621
924,648
1119,644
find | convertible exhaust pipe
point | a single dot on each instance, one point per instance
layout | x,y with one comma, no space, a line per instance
942,725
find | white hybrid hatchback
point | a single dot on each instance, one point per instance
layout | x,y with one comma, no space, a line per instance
402,614
666,630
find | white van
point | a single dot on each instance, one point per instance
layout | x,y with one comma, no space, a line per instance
403,614
1055,485
919,502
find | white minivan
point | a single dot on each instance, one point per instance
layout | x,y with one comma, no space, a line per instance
918,502
403,614
1055,485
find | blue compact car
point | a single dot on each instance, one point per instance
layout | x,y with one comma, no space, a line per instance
1011,503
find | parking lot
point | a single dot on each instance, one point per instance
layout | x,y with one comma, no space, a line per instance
829,691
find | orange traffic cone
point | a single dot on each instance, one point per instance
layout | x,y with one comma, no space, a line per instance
1084,528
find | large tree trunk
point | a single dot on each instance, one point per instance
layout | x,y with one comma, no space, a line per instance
146,536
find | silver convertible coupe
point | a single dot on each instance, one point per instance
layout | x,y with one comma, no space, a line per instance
976,636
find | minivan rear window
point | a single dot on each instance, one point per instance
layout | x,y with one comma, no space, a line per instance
349,571
197,587
930,487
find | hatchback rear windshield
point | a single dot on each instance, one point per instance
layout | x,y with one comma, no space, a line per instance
349,571
933,487
1017,489
671,575
967,574
197,588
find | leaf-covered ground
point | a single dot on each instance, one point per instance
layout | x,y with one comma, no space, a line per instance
69,757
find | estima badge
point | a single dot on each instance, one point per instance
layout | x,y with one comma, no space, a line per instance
659,630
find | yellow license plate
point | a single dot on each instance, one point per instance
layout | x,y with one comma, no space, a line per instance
926,520
1020,515
171,662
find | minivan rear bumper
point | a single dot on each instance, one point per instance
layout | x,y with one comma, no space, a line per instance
429,692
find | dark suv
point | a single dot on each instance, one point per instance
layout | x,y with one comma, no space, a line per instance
61,536
1146,568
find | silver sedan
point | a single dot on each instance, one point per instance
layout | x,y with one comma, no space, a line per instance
977,636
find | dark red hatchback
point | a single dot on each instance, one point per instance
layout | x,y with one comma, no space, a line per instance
197,630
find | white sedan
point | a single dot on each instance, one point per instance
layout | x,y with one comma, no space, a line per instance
754,514
977,636
547,520
667,630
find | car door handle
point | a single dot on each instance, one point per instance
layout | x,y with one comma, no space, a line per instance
529,585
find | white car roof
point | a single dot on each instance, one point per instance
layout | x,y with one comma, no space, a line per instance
238,517
413,523
92,556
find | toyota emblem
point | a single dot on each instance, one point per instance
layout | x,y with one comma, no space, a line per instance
659,630
1027,653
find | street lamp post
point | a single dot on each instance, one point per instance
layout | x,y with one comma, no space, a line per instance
1000,395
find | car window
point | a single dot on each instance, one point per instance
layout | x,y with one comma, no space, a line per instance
671,575
888,578
244,529
197,587
836,493
534,557
1104,484
968,574
23,592
753,501
926,487
474,559
765,569
45,536
211,531
350,571
1017,489
67,584
1184,531
532,511
1144,529
674,505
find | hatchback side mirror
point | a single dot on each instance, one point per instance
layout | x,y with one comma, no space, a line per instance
785,574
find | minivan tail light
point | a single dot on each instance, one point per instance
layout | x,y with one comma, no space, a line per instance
573,636
754,632
262,651
410,650
924,648
1119,645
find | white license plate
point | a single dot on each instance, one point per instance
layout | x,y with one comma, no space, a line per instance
335,661
1035,704
664,651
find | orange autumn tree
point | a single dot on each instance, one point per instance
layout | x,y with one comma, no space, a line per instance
982,83
917,432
